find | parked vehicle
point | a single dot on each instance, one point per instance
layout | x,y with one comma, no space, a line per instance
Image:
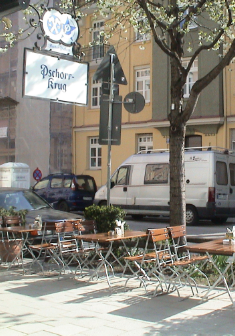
22,199
141,185
67,192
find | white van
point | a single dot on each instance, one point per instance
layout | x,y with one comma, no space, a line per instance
141,185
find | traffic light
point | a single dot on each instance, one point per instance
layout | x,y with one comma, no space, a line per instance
8,7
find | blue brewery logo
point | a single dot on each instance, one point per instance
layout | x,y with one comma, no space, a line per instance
54,25
60,27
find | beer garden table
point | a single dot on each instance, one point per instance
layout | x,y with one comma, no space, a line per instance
217,247
110,239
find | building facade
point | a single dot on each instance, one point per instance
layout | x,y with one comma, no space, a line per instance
147,71
32,131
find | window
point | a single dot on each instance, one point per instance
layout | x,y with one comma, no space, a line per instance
62,157
97,39
57,182
192,23
145,142
121,176
42,184
221,173
67,182
232,174
95,93
95,153
192,76
193,141
156,173
143,83
141,34
232,138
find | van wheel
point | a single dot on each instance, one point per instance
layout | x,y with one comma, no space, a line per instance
137,217
191,215
219,220
63,206
103,203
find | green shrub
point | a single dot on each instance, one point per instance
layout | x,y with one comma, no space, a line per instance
104,216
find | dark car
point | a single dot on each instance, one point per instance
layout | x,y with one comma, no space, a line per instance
28,199
67,192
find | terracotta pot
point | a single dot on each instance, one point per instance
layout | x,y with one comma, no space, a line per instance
9,250
11,220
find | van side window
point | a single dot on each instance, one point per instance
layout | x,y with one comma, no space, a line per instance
122,176
232,174
156,173
221,173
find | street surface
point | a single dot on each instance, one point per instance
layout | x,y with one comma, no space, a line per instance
204,228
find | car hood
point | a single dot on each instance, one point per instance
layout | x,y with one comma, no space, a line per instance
49,215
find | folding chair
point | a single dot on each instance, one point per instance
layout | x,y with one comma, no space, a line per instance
184,265
67,252
88,250
43,252
150,264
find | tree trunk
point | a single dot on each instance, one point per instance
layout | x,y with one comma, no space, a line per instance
177,137
177,176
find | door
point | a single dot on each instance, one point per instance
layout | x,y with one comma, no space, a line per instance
119,186
232,188
222,188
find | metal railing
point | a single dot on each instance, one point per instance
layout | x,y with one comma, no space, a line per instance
94,53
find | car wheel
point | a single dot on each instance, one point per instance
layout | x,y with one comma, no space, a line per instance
219,220
63,206
191,215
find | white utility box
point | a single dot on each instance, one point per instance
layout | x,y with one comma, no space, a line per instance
15,175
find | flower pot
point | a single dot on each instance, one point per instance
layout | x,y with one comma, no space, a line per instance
9,250
11,220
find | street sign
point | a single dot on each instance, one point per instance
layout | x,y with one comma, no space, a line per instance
105,89
116,120
134,102
103,71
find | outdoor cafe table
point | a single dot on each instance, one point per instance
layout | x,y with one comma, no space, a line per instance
15,237
216,247
105,238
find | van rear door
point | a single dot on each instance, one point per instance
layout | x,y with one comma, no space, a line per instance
222,189
232,186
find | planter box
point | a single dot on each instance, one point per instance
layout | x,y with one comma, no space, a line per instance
9,250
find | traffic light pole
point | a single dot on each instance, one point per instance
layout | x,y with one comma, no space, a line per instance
111,98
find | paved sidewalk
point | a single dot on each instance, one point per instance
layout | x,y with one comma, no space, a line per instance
45,306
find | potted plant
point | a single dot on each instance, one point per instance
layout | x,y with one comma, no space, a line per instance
104,216
12,217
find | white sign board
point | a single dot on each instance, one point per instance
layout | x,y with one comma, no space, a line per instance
55,77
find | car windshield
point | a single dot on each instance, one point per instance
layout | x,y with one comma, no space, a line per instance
22,200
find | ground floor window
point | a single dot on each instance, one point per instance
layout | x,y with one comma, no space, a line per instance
95,153
193,141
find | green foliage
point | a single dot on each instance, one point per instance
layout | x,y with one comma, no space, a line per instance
11,211
104,216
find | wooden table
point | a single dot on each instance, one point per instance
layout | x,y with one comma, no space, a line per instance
216,247
110,239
